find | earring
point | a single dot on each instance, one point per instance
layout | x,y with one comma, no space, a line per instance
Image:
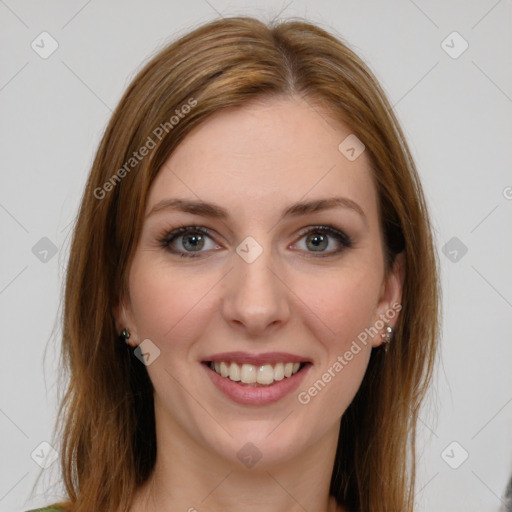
125,335
386,337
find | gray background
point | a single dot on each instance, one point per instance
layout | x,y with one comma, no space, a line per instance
456,114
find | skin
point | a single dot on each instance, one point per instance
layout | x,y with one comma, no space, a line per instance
255,161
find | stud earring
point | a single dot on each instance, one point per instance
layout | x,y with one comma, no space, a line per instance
125,335
386,336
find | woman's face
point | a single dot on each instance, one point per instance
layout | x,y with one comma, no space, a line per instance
259,289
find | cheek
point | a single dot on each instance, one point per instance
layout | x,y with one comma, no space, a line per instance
345,301
346,308
163,299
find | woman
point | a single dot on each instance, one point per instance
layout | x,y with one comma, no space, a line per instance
252,300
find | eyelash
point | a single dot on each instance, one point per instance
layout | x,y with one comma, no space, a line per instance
169,237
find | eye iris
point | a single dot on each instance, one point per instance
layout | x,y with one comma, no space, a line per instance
317,239
198,242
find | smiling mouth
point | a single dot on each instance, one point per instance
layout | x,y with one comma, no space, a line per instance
256,375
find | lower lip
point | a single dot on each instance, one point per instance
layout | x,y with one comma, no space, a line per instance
257,395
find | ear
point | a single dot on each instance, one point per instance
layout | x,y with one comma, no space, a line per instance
389,304
123,318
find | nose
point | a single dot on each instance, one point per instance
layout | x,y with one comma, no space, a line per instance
255,298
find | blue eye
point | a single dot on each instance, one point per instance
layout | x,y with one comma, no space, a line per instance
194,238
319,238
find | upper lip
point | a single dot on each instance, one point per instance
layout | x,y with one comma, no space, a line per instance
256,359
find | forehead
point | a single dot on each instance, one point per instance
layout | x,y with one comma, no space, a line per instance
263,156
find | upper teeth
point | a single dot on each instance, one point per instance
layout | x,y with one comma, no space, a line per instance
249,373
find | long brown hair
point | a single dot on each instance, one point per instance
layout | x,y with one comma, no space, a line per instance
106,416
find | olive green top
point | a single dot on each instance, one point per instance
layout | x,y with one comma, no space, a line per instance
49,509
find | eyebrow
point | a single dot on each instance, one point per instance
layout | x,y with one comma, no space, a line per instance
207,209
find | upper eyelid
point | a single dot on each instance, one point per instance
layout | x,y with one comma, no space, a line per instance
211,232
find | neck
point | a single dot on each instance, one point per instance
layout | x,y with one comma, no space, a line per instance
189,477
